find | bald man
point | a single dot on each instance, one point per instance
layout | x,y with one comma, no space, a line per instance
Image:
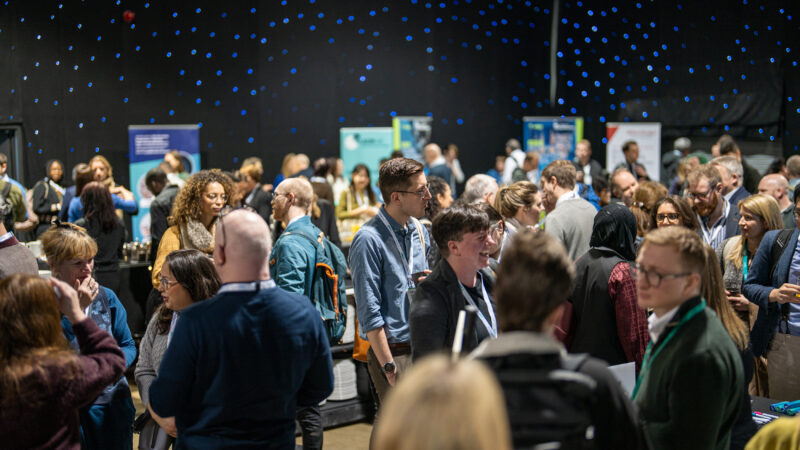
240,363
777,186
437,165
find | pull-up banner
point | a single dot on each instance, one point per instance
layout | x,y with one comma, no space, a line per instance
552,138
411,134
147,146
646,135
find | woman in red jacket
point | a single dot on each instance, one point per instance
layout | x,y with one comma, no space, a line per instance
43,382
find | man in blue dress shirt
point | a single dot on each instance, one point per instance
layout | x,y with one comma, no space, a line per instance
240,364
388,257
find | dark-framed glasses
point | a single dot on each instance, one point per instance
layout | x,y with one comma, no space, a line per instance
422,193
694,195
672,217
654,278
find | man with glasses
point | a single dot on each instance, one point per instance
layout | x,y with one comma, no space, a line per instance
241,362
718,219
292,263
387,258
463,236
689,389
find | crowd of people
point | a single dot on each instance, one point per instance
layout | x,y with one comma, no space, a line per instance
568,273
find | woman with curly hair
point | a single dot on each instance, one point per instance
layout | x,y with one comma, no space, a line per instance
194,214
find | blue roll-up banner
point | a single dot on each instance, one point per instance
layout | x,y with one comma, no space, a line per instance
147,145
412,134
552,138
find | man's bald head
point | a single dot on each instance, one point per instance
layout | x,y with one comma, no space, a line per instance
242,246
432,152
301,189
776,186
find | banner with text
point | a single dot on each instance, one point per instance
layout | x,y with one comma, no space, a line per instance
552,138
147,146
646,135
411,134
364,146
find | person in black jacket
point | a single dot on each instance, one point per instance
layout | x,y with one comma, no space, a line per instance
164,192
254,196
108,230
47,194
551,397
462,234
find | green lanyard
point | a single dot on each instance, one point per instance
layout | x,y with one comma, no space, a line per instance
648,361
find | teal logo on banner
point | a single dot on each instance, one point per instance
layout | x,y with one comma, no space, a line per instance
147,146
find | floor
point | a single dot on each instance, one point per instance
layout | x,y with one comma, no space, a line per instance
355,436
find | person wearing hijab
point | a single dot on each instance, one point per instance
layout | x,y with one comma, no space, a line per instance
607,323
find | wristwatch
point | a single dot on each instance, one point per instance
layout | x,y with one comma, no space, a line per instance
389,367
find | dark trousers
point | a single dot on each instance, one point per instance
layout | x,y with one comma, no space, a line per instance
310,421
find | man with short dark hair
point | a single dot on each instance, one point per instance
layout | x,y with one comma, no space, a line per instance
690,388
462,235
240,363
387,258
631,151
571,217
584,406
718,219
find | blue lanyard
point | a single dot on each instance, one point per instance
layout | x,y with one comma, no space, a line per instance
492,329
648,361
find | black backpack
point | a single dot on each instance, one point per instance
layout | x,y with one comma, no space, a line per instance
549,407
6,208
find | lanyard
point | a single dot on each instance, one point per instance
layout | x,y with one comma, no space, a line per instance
252,286
744,263
175,316
410,268
492,329
648,361
359,199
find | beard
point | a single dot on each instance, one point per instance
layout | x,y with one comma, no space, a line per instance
705,209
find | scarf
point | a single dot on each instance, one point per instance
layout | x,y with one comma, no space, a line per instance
615,229
195,236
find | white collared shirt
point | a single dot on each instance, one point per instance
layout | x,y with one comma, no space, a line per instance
6,237
567,196
730,194
656,325
294,220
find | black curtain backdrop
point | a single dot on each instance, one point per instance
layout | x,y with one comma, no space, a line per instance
266,78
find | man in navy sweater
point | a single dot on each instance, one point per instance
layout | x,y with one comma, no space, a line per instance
240,364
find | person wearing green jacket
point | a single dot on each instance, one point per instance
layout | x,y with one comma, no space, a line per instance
691,385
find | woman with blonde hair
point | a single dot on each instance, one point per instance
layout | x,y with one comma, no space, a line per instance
759,213
70,251
713,290
521,206
102,172
443,405
194,215
43,382
287,169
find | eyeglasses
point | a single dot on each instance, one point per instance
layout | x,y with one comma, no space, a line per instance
422,193
166,283
671,216
654,278
224,212
496,228
694,196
